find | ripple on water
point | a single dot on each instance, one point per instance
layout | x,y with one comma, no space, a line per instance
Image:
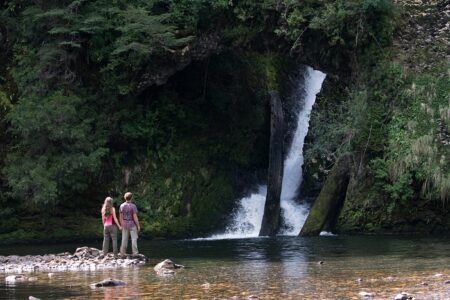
276,268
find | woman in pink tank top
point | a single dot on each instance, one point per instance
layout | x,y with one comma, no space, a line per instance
109,229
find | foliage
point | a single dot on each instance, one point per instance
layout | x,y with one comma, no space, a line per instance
59,147
406,152
98,97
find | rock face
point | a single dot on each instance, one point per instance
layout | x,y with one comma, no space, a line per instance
84,258
271,219
330,199
108,283
166,268
202,48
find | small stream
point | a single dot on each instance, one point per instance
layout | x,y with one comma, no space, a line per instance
271,268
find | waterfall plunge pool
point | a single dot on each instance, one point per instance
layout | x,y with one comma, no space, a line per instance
270,268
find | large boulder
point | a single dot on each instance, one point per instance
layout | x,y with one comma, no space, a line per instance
166,268
330,200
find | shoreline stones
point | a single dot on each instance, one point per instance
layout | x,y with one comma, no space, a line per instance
84,258
166,268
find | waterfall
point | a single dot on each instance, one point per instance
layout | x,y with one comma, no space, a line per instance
294,214
247,218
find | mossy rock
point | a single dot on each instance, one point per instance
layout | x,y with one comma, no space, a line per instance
330,199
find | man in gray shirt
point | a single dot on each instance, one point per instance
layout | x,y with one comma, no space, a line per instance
130,224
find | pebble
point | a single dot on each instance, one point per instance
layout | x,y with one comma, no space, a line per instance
206,285
402,296
15,278
365,295
84,258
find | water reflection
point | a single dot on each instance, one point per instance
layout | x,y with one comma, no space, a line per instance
271,268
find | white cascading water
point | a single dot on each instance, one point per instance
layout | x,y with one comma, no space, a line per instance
294,214
248,216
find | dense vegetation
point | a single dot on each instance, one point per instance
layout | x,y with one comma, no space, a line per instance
394,121
168,99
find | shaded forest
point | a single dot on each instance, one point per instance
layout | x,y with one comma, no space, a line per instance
169,100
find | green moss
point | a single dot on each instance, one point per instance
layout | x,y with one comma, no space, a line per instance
330,199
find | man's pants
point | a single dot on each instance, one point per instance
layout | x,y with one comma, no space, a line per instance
134,236
109,232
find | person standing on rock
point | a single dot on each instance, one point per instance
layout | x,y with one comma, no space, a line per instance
109,229
130,224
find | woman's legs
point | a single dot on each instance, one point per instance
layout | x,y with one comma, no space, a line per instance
106,237
114,239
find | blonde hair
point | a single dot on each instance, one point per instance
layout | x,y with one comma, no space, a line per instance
128,196
107,206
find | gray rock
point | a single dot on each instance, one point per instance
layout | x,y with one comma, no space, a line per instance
15,278
33,298
84,258
402,296
366,295
108,283
166,268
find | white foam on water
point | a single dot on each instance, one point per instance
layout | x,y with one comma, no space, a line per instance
247,218
294,214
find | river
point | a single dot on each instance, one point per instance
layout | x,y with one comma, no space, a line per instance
270,268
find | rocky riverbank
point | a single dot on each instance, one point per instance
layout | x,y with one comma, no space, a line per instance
84,258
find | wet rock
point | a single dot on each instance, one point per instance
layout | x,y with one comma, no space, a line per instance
84,258
402,296
330,199
206,285
366,295
108,283
33,298
15,278
166,268
320,263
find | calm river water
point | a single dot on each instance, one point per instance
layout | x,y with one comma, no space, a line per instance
279,268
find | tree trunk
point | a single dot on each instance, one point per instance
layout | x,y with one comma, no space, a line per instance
327,205
271,219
